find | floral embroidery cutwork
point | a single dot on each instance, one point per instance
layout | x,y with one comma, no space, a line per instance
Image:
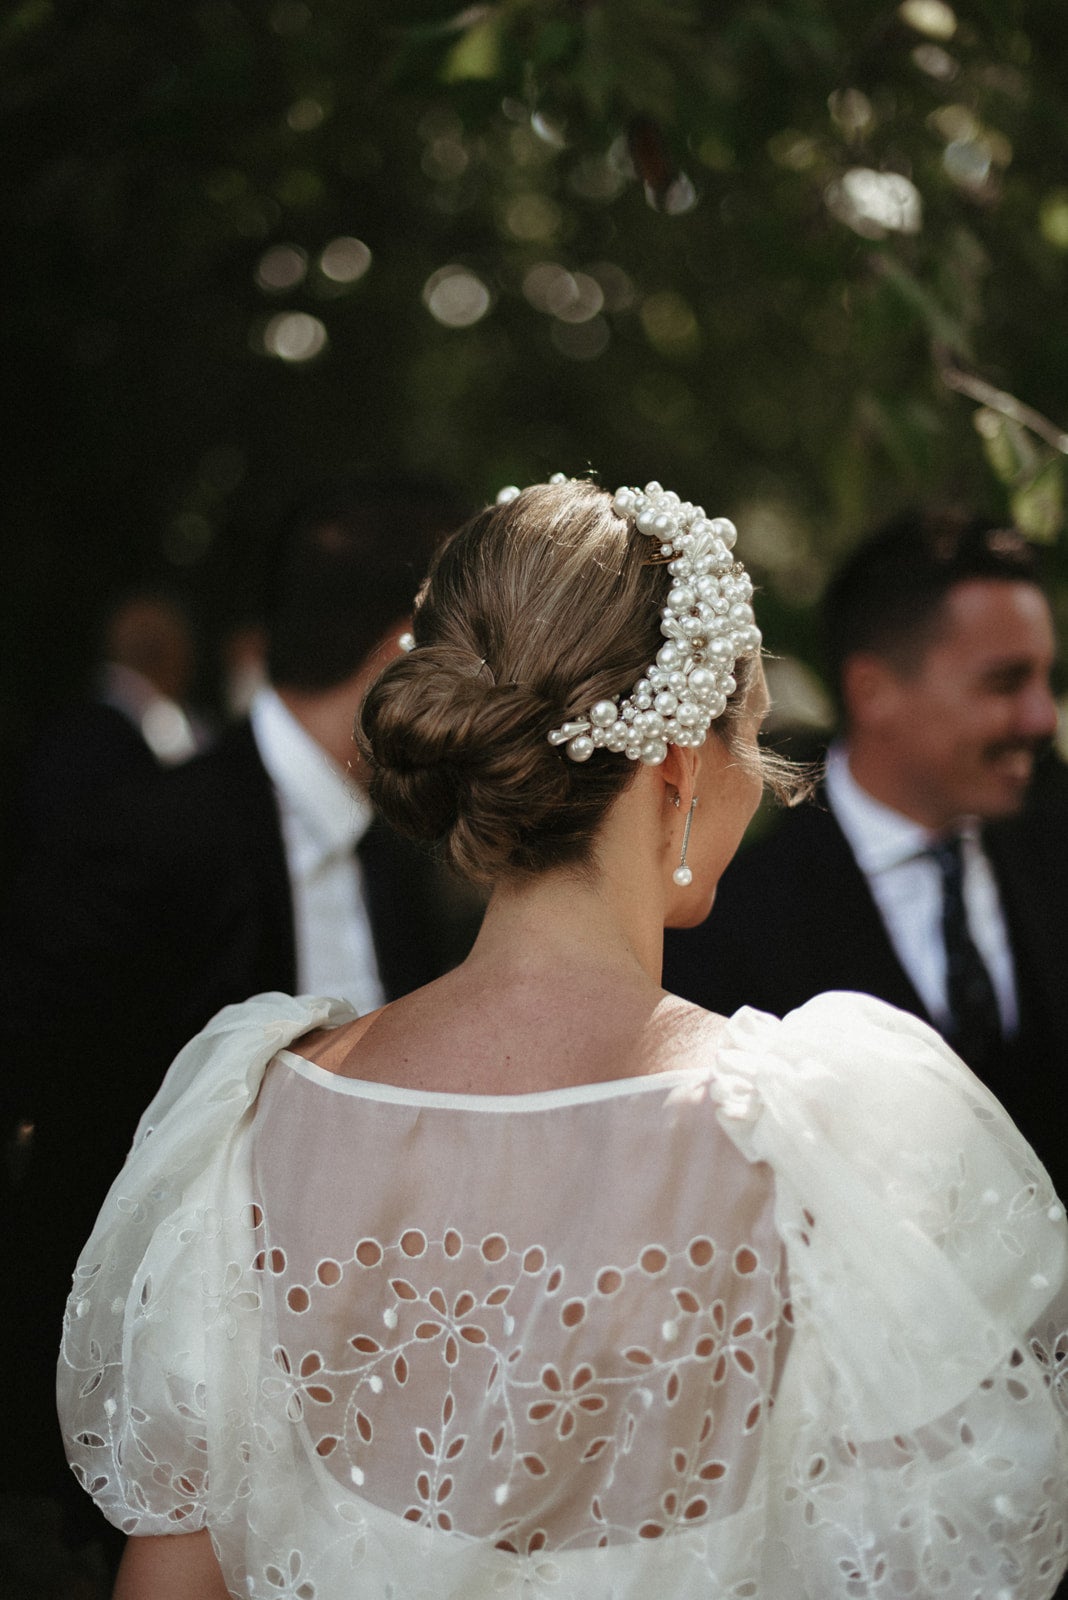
712,1314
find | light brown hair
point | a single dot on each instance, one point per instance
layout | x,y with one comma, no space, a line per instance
531,612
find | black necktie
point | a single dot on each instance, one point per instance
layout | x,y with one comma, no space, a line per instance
976,1023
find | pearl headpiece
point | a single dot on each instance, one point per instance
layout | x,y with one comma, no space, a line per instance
707,623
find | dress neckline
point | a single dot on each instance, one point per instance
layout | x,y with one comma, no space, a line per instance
538,1100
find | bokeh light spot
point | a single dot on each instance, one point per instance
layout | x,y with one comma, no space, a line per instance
547,286
532,217
445,158
1053,218
294,336
344,260
852,111
968,162
584,301
281,267
932,17
793,150
670,325
617,286
936,62
455,297
875,203
581,341
306,114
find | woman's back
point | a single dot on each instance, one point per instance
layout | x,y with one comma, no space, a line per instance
546,1319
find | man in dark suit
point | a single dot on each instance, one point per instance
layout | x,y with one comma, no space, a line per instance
258,865
133,719
929,870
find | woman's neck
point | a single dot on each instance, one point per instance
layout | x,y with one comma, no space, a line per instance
566,923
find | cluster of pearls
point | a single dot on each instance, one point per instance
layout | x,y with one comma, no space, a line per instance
707,623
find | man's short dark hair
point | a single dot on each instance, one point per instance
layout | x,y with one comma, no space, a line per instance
888,596
348,560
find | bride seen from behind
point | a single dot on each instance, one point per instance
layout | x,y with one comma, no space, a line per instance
541,1280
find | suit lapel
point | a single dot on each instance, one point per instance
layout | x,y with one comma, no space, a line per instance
270,905
853,935
1031,882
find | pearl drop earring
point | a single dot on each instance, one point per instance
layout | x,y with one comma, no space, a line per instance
682,874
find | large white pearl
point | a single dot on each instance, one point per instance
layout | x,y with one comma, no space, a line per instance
604,713
580,749
683,877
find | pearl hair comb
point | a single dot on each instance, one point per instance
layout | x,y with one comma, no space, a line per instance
707,623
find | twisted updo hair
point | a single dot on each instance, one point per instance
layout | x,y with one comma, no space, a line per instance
532,611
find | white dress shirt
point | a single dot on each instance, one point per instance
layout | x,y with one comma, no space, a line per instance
162,723
906,885
323,818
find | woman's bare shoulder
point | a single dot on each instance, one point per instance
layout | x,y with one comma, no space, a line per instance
685,1034
331,1048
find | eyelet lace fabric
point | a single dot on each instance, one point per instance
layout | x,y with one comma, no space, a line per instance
790,1322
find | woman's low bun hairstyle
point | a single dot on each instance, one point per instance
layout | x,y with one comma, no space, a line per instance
531,612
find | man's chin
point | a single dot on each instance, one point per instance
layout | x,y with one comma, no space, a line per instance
1005,800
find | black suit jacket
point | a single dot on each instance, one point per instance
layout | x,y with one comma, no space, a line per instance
126,936
794,916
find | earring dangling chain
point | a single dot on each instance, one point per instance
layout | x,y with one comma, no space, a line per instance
682,874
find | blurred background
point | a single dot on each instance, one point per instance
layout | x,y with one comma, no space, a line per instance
803,261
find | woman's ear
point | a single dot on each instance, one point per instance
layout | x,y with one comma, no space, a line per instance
679,773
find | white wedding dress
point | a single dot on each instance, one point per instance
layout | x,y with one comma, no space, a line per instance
784,1324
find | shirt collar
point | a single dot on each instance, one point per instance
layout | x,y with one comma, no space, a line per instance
879,837
333,811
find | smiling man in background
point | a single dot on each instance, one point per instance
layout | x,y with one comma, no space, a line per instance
928,872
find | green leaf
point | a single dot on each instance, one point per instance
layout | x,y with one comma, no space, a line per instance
478,53
943,327
1007,445
1038,504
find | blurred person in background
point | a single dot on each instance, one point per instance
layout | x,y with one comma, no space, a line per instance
923,873
258,866
135,720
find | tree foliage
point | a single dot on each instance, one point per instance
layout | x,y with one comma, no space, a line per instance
802,259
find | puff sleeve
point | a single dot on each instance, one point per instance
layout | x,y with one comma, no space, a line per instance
161,1334
919,1438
